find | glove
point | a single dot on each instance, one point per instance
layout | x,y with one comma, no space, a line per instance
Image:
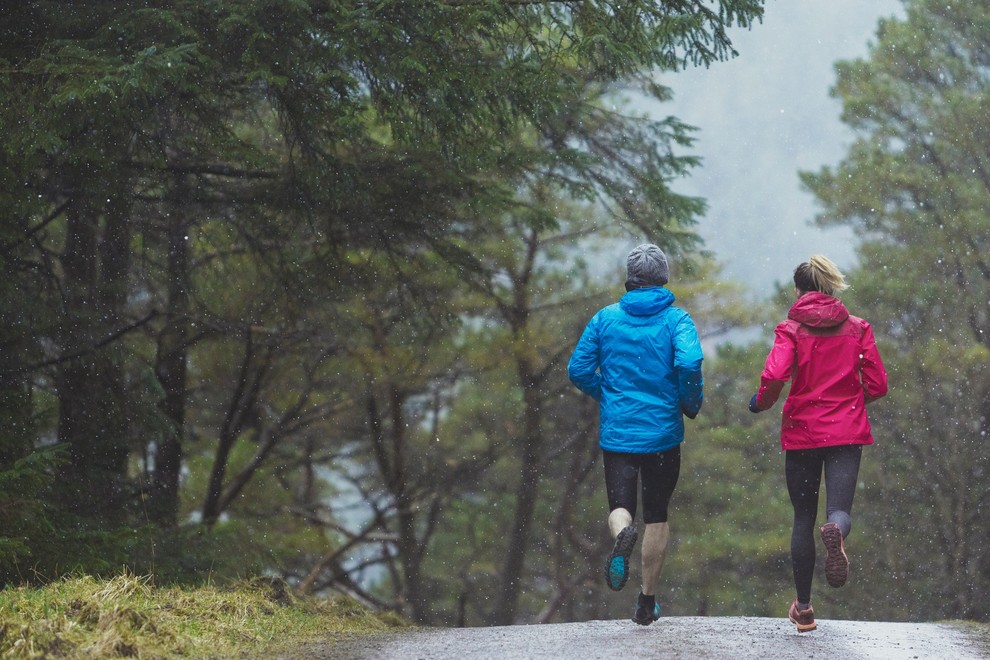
687,414
752,405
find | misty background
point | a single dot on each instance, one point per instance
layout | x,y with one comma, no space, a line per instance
762,117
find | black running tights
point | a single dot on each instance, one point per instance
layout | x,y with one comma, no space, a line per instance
803,469
658,474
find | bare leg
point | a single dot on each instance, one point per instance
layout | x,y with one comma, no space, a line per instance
618,520
654,550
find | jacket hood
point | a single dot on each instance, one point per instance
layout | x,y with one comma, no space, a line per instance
646,301
818,310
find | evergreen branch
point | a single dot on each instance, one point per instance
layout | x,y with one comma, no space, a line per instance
7,247
214,170
109,339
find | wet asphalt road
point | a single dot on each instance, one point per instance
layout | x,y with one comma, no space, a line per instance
670,637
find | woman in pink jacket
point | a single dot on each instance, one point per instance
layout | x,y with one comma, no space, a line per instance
832,361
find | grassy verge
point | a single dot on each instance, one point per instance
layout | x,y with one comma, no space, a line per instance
979,632
127,616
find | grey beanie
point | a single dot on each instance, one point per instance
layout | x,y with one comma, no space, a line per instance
646,265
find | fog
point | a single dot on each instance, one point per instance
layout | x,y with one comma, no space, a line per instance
763,117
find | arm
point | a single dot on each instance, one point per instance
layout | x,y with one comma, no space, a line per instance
776,371
871,367
583,366
687,361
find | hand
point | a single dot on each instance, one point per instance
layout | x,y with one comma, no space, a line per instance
687,414
752,405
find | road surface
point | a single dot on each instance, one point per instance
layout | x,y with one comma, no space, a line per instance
670,637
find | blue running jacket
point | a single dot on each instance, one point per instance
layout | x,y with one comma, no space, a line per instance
640,358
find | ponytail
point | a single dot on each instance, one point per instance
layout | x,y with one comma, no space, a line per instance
819,274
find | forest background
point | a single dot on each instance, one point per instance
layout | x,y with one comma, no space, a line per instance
289,289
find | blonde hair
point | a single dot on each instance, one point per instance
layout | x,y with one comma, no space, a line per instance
819,274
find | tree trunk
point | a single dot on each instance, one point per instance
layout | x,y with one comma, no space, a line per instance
389,450
410,548
90,387
517,315
170,368
242,401
526,496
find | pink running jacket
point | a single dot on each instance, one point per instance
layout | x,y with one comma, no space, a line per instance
832,361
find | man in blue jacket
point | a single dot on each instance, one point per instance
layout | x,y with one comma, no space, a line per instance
640,358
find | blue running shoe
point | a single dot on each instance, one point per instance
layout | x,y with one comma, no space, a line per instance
617,564
647,610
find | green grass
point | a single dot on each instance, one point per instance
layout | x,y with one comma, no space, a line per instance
128,616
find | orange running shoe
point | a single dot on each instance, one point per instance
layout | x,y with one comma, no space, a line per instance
836,562
803,619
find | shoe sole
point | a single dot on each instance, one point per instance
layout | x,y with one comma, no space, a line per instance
647,621
803,627
616,576
836,561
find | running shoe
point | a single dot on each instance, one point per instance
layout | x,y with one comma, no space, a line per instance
617,564
836,562
647,611
803,619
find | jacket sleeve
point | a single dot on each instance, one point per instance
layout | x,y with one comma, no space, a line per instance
777,369
688,357
583,366
871,367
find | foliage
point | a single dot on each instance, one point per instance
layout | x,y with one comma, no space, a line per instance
717,535
23,519
291,283
914,185
263,261
37,539
731,515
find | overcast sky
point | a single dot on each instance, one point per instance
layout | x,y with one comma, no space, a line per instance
763,117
